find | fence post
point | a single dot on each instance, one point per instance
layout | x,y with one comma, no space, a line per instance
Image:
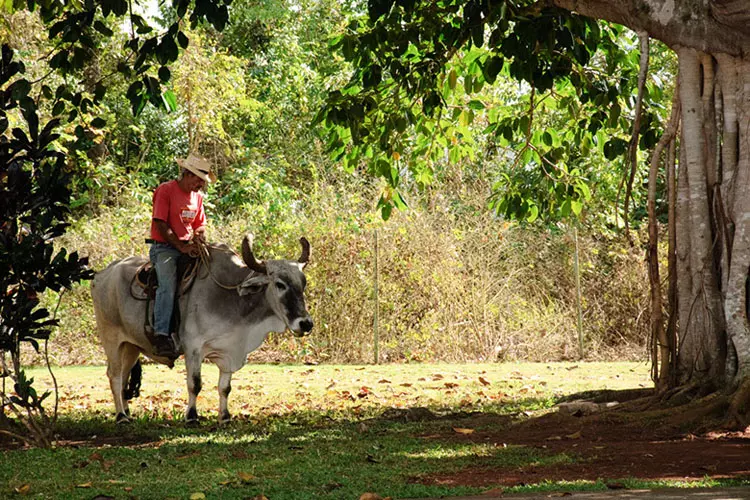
577,271
375,332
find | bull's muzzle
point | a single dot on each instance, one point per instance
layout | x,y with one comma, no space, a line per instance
303,327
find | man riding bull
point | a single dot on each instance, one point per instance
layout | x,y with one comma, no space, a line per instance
178,225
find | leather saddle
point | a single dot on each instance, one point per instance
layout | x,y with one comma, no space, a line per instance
146,280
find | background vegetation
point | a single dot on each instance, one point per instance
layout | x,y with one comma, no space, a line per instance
459,279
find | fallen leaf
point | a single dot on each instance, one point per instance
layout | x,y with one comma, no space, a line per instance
23,489
462,430
406,384
197,496
484,381
384,381
575,435
240,454
96,456
107,464
451,385
372,459
128,488
370,496
245,477
437,376
188,455
83,485
261,496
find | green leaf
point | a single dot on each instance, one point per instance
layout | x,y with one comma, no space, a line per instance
398,200
452,79
101,28
468,83
492,68
170,100
533,213
164,74
565,208
183,40
99,92
576,206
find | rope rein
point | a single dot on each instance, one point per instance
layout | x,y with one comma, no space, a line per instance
205,257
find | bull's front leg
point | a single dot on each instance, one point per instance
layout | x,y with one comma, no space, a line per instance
193,362
225,387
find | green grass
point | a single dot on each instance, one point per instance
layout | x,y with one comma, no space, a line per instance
299,431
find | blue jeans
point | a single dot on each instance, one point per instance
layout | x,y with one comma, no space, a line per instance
164,258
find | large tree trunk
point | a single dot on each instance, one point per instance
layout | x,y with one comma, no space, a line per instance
701,329
712,226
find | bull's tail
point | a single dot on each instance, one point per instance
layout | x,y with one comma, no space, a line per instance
133,386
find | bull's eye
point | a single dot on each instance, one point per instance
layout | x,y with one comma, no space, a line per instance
281,286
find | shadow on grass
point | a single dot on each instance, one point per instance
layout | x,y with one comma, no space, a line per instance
295,455
399,452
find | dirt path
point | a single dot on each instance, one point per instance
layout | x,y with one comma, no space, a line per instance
605,447
661,494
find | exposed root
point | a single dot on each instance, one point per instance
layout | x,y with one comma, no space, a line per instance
739,408
692,409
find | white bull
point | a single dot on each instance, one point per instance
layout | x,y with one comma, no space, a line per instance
226,314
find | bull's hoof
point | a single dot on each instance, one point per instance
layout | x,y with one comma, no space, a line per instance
122,418
191,417
225,417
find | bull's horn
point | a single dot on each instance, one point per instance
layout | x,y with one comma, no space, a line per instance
305,256
249,258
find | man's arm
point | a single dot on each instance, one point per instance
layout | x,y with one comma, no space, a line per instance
171,238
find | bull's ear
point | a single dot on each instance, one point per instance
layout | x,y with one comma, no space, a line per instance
254,285
304,257
249,258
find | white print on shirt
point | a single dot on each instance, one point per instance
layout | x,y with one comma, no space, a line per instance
187,214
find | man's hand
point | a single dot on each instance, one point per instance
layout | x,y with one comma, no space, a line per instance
190,249
200,235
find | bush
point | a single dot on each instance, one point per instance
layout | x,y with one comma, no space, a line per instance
453,286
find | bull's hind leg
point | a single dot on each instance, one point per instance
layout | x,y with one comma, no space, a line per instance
225,387
193,360
120,362
129,355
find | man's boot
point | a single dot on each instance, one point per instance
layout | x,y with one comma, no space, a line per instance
164,347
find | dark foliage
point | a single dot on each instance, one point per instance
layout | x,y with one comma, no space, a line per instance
34,200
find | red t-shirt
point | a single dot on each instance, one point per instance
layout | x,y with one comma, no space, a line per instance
183,212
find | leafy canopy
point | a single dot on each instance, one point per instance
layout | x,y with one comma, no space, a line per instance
417,98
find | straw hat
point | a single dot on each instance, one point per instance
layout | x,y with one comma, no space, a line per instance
197,165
